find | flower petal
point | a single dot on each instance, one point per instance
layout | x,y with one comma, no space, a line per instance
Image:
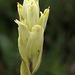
32,15
37,59
19,7
24,8
43,19
34,46
23,38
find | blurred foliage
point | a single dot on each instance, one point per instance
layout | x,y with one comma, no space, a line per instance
59,45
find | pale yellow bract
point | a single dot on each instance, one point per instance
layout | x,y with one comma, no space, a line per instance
31,29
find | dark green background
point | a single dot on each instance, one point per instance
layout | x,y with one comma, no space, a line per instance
59,44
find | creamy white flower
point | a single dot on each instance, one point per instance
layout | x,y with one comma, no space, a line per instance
31,29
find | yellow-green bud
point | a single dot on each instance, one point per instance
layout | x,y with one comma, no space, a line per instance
31,29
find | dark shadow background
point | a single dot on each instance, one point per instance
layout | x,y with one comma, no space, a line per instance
59,44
